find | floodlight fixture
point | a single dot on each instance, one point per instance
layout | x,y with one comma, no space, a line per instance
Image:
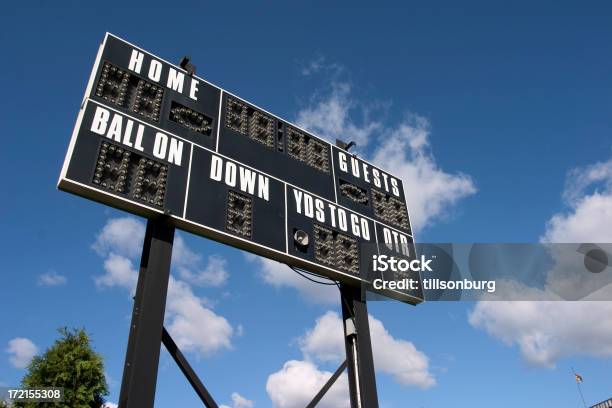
187,65
345,146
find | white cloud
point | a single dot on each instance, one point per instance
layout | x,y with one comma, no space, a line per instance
581,179
294,386
280,275
215,273
299,380
403,149
330,117
182,255
241,402
21,351
313,66
52,278
186,313
320,65
590,220
186,317
110,405
188,265
238,401
430,191
122,236
547,331
588,194
120,272
397,357
325,341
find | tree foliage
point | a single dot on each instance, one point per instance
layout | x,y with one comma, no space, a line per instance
70,364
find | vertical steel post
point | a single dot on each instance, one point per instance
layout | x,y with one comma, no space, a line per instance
362,379
142,356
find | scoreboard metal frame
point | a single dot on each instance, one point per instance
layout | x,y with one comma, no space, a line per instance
153,140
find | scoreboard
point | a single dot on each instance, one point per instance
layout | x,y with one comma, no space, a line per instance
152,139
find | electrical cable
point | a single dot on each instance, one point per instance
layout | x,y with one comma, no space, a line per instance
333,282
301,273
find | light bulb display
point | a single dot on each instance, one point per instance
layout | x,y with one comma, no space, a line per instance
119,87
150,182
113,84
336,250
125,172
147,100
239,214
296,144
353,192
191,119
324,245
347,255
390,209
112,167
317,155
250,122
302,147
236,116
261,129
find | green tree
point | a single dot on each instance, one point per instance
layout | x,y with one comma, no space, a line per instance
70,364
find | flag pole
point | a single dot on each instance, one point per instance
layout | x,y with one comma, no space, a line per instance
579,387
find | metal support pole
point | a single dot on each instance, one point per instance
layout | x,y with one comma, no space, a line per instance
142,356
362,380
188,372
327,386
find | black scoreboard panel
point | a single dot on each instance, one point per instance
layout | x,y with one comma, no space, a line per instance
151,139
275,147
135,82
370,191
256,213
117,164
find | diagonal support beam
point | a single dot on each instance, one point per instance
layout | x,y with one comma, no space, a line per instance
327,386
188,372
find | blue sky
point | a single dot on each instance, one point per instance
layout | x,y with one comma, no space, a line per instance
497,115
